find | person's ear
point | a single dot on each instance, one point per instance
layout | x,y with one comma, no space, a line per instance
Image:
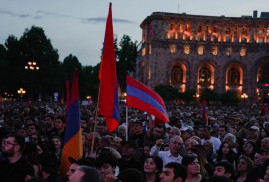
17,147
228,175
178,179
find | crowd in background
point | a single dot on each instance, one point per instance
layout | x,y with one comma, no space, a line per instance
233,146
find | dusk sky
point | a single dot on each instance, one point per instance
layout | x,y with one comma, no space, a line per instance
78,27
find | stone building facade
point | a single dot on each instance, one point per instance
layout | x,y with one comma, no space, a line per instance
198,52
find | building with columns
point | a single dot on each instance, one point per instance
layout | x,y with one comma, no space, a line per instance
198,52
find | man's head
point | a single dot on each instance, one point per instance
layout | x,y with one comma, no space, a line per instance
264,154
186,134
13,145
116,143
224,168
175,145
173,172
158,132
173,132
32,129
97,140
49,120
208,146
222,131
189,143
254,132
204,131
128,149
59,123
138,127
76,163
86,174
265,142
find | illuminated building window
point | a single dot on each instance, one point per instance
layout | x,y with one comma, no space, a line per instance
263,73
177,74
143,51
267,32
186,49
199,38
229,51
243,51
204,75
172,49
233,76
200,50
214,50
149,48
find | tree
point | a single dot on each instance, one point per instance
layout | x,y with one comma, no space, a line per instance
126,56
35,46
167,92
209,95
230,98
189,95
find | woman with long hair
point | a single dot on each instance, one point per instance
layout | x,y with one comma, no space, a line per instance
205,167
249,149
244,165
190,161
226,153
152,167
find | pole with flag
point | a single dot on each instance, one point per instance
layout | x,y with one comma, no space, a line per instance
73,137
204,113
67,98
108,91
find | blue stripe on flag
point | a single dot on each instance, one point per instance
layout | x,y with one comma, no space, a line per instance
73,117
135,92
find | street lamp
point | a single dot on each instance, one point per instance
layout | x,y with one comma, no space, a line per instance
21,92
31,66
244,96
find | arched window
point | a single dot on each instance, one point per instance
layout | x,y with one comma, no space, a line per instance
233,76
263,74
177,74
204,75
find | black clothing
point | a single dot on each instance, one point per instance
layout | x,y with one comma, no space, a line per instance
54,178
15,172
133,163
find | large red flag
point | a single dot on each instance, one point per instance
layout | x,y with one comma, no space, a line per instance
108,94
73,137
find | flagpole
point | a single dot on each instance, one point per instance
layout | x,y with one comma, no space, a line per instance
126,115
95,122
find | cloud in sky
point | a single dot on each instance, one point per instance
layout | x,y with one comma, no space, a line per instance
7,12
40,14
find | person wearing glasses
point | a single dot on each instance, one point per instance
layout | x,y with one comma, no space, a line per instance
15,167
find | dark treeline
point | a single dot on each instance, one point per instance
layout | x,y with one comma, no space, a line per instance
32,46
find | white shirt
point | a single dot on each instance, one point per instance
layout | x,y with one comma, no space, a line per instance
166,156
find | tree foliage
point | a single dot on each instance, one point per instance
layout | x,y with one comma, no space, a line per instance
230,98
167,92
34,45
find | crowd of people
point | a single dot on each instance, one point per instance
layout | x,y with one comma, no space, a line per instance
232,146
